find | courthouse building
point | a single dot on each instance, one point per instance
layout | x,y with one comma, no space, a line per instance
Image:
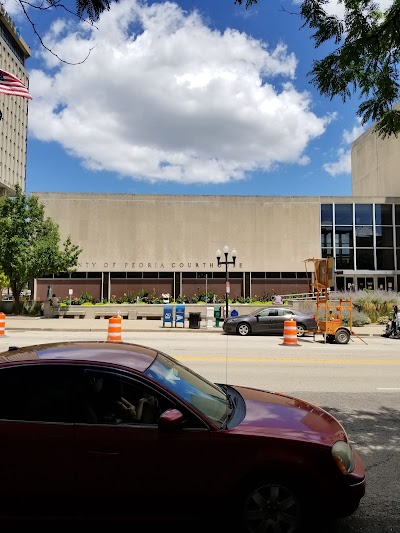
168,243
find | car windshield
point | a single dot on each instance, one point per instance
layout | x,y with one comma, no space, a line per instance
203,395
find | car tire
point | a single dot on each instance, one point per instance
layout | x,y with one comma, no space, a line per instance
301,330
243,329
274,503
342,336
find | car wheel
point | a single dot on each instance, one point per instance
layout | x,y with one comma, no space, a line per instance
273,507
342,336
243,329
301,329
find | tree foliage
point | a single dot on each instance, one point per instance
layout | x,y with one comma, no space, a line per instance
30,243
365,60
4,281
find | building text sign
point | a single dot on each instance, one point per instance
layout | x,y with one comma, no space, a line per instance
145,265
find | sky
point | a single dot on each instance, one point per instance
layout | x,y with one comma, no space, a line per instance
197,97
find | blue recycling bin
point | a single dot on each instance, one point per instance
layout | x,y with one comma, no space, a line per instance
180,315
168,315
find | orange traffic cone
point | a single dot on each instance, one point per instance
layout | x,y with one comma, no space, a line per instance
2,325
114,329
290,333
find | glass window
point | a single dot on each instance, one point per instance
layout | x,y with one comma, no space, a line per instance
326,214
326,236
383,214
363,214
384,259
344,214
134,274
36,394
344,259
258,275
365,259
201,394
171,275
397,214
105,398
364,236
384,236
62,275
302,275
327,252
94,274
78,275
343,236
272,274
151,275
118,275
288,275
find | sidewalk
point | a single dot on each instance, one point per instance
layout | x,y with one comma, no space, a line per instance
87,324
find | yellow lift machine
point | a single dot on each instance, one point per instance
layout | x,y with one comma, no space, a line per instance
329,313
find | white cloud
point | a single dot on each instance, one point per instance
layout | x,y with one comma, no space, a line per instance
343,163
163,97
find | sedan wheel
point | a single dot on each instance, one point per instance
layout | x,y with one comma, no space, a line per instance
272,508
243,329
301,329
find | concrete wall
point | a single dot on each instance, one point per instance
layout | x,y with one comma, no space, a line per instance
153,233
375,164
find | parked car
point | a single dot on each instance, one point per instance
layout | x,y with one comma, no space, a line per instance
269,320
118,430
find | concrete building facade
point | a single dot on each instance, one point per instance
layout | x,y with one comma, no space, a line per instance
14,110
168,243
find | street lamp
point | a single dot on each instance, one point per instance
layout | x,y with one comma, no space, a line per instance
226,263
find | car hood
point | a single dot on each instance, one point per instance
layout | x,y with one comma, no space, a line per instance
275,414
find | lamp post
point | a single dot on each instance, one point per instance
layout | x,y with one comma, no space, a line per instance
226,263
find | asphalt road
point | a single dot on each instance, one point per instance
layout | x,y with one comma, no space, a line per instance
359,383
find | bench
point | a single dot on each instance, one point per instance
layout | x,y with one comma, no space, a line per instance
109,314
64,313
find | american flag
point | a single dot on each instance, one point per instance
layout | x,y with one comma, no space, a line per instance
10,84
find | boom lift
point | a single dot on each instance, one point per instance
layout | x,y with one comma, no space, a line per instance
329,313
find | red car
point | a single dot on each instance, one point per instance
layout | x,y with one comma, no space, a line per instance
121,431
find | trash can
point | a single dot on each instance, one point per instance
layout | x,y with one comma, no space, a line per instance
217,315
194,320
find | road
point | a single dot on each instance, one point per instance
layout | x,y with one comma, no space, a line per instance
359,383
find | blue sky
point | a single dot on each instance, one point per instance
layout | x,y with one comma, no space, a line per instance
188,97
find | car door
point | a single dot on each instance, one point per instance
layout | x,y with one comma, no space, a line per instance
36,440
132,469
264,321
283,315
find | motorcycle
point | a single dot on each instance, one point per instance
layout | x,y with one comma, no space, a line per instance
391,331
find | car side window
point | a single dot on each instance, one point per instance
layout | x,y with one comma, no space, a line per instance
107,398
284,312
36,393
264,312
273,312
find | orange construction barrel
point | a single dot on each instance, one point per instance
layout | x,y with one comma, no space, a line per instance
290,333
2,325
114,329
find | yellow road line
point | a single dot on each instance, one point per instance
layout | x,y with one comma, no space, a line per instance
287,360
